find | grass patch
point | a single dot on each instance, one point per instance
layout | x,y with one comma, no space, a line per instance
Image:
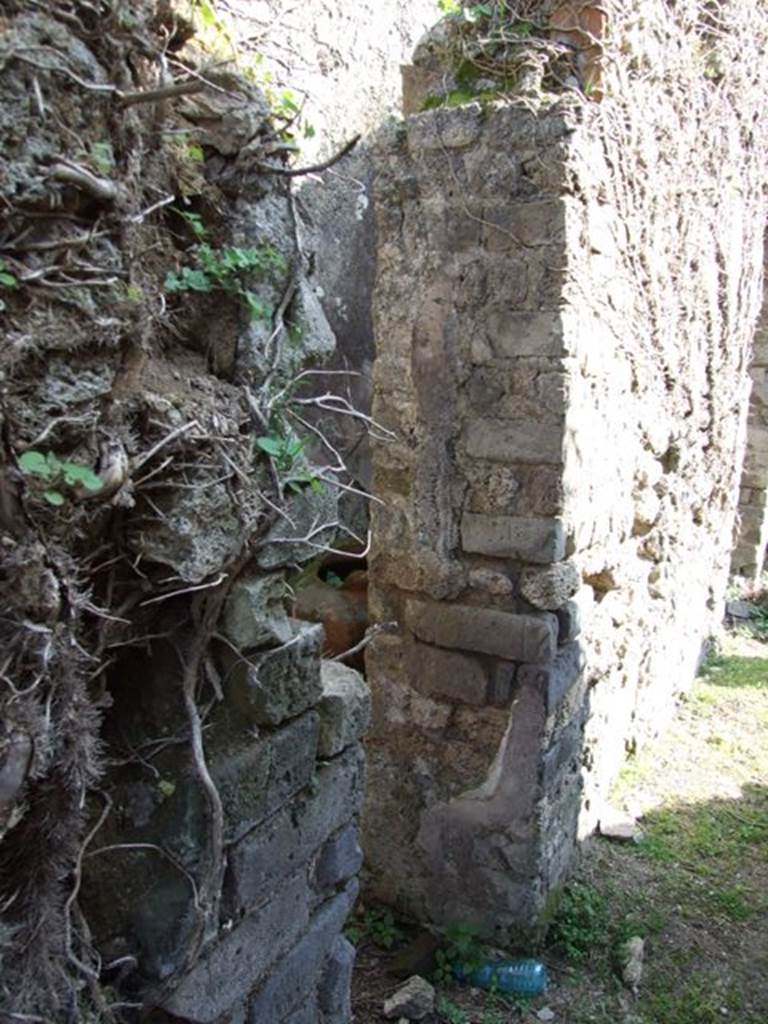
736,673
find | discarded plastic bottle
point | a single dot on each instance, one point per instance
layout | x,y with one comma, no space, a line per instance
511,977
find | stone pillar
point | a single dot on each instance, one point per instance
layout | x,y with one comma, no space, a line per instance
558,498
749,554
479,698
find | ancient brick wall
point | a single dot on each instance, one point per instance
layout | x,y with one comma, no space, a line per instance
559,501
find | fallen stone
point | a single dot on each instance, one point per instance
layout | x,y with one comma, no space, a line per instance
545,1014
631,954
310,521
619,826
550,587
345,707
412,1001
739,610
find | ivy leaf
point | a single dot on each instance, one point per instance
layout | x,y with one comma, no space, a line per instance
54,497
8,279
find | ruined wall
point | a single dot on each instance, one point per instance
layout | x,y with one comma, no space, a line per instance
749,554
180,774
560,498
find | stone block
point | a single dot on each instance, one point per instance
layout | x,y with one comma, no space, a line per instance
298,972
501,684
273,686
533,224
339,859
574,614
506,441
449,675
550,587
488,631
255,779
433,130
293,835
509,335
565,753
255,614
232,966
311,517
344,708
527,540
333,991
556,679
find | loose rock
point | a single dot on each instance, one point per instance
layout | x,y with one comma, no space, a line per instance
551,586
412,1001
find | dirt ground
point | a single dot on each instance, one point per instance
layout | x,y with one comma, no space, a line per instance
694,887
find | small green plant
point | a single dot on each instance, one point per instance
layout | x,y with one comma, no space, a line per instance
102,157
282,450
377,924
56,475
222,269
7,280
449,1012
582,923
461,952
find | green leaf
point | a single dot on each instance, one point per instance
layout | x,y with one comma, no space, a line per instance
36,463
257,309
309,131
54,497
195,152
8,279
274,446
74,473
207,14
166,787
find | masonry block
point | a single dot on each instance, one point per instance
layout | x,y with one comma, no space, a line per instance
526,540
555,679
449,675
506,441
333,990
286,987
339,859
293,835
270,686
235,964
344,708
504,634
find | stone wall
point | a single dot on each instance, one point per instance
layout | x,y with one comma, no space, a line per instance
180,772
749,554
559,500
283,752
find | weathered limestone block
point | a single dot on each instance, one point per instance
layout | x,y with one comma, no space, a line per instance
333,991
271,686
264,858
285,989
503,634
255,613
514,441
510,335
516,537
345,708
447,674
555,679
550,587
339,859
230,968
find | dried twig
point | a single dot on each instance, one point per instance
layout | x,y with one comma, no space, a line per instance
294,172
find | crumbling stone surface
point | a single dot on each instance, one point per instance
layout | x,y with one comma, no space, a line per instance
549,543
